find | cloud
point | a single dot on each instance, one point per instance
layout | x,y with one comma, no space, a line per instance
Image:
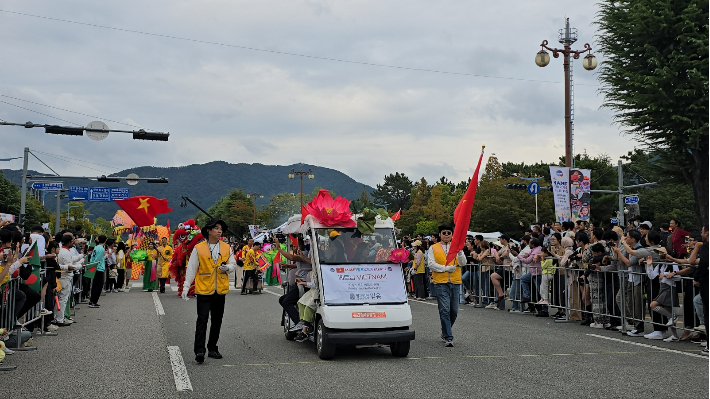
258,106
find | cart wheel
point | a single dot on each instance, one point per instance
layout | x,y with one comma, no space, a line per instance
326,350
400,349
286,321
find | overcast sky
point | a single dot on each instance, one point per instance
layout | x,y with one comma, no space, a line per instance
238,105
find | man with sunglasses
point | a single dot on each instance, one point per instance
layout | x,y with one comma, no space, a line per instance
447,281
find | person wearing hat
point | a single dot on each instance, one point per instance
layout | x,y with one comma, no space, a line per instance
209,266
447,281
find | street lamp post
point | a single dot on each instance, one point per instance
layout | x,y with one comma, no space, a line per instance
255,195
300,174
567,37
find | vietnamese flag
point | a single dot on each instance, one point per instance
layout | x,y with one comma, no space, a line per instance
304,213
462,214
294,240
143,209
33,256
397,215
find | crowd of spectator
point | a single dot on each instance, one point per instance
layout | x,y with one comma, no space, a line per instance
63,258
587,274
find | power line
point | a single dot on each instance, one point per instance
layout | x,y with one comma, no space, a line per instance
67,110
41,113
283,52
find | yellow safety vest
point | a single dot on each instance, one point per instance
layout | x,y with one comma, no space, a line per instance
421,267
444,277
209,278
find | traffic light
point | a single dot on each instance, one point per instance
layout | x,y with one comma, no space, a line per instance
68,131
153,136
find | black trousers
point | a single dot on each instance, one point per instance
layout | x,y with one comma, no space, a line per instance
704,296
289,301
247,275
31,299
85,288
121,278
419,290
208,305
96,286
162,283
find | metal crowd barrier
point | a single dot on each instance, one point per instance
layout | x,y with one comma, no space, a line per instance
613,298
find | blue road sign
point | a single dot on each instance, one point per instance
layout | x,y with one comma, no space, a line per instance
78,193
533,188
119,193
631,200
48,186
100,194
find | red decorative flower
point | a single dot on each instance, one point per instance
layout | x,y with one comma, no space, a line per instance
399,255
329,211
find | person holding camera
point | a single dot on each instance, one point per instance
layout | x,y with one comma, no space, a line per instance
209,266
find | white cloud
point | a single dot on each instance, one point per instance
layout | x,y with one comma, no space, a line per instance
255,106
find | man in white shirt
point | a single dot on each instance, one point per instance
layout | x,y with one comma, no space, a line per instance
68,262
447,281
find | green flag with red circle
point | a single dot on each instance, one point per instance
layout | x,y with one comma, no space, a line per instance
32,255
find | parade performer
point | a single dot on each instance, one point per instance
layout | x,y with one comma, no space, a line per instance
209,266
447,281
186,236
150,272
165,255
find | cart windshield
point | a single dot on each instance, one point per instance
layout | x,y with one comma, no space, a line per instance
349,246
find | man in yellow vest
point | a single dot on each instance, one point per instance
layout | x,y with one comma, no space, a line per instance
447,281
209,266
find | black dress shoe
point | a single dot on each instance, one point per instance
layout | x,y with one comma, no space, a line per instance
200,357
214,354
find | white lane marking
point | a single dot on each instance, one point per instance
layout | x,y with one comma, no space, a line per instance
648,346
174,288
182,380
158,304
272,293
137,284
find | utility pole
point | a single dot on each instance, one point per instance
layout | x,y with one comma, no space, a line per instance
567,37
23,190
59,210
620,192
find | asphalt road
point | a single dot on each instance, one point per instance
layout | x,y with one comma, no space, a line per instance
121,351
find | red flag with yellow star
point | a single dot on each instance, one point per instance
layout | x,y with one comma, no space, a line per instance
143,209
462,215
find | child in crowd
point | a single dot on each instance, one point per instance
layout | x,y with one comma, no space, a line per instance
112,277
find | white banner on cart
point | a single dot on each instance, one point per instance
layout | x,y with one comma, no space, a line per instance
357,284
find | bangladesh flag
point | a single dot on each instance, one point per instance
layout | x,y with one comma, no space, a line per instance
33,255
90,269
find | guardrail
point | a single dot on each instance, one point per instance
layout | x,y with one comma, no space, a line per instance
609,298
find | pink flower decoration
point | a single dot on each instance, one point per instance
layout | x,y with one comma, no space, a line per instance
399,255
329,211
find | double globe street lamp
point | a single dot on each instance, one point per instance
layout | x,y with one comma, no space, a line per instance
292,175
567,37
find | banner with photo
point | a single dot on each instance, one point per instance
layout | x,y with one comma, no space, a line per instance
254,230
363,283
580,193
560,190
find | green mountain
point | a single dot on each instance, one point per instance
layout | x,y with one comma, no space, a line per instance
205,184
